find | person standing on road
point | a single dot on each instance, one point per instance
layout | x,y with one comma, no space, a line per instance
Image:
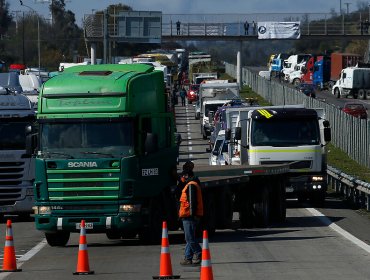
190,212
183,95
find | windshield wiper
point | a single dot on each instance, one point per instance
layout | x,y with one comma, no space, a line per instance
57,153
97,153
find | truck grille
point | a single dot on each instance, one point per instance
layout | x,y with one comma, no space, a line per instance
11,173
11,176
83,184
292,164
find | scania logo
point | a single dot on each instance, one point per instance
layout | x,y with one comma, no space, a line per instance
77,164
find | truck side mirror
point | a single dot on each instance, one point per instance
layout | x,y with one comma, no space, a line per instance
238,133
228,134
327,134
31,140
326,123
151,143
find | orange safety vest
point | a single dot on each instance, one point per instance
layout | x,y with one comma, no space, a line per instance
184,211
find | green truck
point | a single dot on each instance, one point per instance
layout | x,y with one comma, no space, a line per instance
105,153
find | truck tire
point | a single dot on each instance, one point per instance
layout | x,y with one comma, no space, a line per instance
361,94
246,212
262,208
318,198
337,93
278,204
225,213
296,82
112,235
57,239
367,96
209,218
152,232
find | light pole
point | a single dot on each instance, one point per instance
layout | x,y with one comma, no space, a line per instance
38,34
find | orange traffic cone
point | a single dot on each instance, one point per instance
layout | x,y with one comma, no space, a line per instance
83,267
165,270
9,261
206,267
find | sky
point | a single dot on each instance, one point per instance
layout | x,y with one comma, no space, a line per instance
82,7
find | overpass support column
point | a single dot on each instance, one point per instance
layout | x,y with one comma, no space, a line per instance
93,53
239,66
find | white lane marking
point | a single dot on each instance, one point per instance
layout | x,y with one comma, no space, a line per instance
27,256
190,143
190,148
325,220
33,251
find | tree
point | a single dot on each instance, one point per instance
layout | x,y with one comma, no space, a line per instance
5,17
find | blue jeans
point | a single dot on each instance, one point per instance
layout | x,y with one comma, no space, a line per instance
192,246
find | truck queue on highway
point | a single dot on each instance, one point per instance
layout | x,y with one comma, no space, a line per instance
80,174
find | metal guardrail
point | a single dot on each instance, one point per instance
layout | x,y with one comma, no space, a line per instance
350,187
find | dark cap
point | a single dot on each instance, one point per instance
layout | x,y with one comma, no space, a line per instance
188,165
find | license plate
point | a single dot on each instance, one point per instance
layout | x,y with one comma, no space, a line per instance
289,189
87,225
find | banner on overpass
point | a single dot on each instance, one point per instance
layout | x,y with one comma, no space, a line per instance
279,30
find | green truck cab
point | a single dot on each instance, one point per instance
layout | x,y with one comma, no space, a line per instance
106,153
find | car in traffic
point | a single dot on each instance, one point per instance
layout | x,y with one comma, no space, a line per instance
356,109
307,89
192,94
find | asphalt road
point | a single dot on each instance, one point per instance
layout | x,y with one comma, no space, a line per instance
309,245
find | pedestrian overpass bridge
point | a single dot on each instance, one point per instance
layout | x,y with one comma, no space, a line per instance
221,27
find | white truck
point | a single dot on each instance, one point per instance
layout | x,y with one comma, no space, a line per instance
198,78
353,81
288,134
16,164
295,76
291,62
212,96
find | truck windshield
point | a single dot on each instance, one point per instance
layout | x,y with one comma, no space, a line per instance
211,107
88,139
13,135
285,132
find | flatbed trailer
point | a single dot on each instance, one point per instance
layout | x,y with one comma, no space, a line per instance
257,193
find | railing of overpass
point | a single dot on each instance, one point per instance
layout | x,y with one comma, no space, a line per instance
233,24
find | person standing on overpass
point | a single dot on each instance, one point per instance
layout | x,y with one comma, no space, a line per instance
178,25
246,27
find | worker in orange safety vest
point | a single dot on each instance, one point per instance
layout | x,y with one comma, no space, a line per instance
190,212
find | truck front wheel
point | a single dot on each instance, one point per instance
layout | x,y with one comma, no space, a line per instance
361,94
57,239
152,231
337,92
296,82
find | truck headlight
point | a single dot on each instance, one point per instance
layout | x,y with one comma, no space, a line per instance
42,210
131,208
317,178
